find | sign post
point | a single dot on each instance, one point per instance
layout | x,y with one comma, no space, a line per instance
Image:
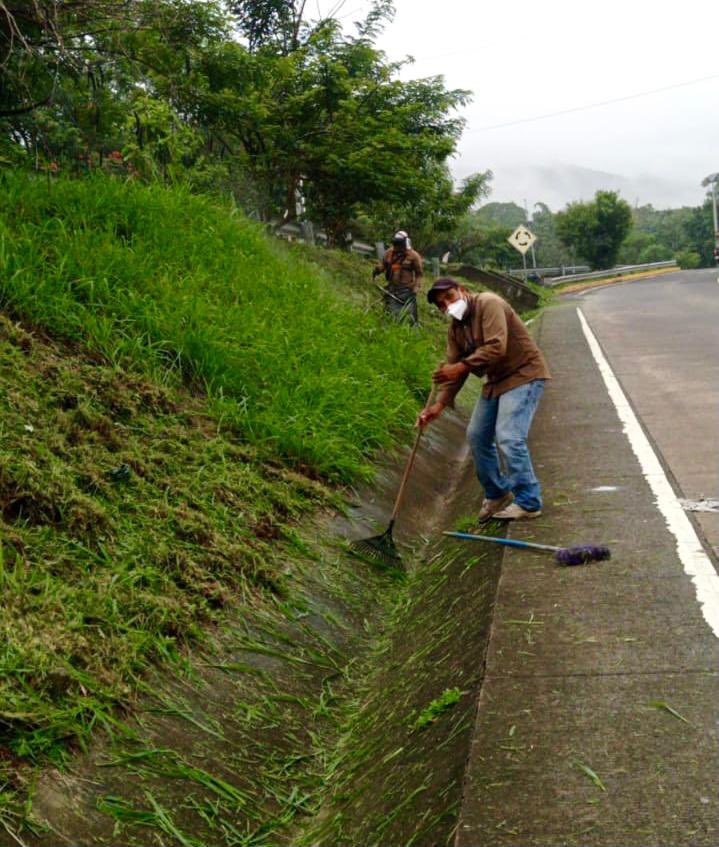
522,239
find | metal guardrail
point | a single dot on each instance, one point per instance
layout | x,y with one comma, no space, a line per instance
558,270
622,270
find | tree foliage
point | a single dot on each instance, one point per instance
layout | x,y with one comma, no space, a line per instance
596,229
298,117
43,41
270,22
660,234
699,230
549,250
503,214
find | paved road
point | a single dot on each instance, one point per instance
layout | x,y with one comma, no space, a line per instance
661,337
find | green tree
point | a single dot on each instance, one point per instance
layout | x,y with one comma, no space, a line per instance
330,125
665,225
483,245
699,229
634,244
688,260
492,248
549,249
436,219
655,253
480,237
502,214
281,25
270,22
71,70
596,229
375,139
299,118
42,41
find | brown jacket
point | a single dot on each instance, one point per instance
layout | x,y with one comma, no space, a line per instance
406,268
494,342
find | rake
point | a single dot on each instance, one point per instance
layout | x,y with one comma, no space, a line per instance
563,555
381,548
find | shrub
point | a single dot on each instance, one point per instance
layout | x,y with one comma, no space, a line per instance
688,259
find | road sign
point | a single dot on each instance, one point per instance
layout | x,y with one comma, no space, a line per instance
522,239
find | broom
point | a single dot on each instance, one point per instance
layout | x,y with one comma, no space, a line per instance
381,548
562,555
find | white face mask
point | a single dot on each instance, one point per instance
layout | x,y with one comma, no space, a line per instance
458,309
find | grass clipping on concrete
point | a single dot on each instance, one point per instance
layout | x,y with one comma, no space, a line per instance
177,391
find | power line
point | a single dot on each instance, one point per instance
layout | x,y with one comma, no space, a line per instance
593,105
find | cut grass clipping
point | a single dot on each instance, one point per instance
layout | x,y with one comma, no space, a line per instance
104,571
665,707
449,698
591,775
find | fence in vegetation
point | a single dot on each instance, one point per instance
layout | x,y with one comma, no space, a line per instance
305,231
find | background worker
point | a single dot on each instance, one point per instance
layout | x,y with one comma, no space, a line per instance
487,337
402,268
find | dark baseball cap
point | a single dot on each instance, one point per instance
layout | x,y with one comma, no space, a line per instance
442,284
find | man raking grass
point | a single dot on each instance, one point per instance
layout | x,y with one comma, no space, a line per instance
487,338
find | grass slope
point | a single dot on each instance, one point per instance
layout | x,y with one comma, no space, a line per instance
184,288
175,384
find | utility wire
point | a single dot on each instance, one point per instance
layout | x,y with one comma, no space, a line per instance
593,105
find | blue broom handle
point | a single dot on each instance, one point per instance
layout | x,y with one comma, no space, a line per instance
509,542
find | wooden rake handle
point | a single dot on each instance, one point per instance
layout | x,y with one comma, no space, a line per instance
410,460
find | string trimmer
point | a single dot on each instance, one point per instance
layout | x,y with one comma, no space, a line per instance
388,293
563,555
381,548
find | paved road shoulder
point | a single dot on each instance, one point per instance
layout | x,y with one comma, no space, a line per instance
598,718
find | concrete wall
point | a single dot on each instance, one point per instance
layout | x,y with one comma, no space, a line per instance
519,295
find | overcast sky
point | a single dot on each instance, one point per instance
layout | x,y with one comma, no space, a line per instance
523,60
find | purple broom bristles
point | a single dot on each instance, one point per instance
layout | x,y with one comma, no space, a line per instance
582,555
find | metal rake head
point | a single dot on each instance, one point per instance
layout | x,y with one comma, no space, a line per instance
582,555
379,549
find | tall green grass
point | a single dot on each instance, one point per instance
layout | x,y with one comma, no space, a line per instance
187,288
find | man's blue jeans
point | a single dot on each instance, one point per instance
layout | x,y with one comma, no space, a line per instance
503,422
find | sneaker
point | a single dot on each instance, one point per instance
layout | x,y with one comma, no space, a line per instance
514,512
491,507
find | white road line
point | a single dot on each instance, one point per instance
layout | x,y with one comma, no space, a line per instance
695,561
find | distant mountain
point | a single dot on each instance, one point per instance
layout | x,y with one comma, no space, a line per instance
558,184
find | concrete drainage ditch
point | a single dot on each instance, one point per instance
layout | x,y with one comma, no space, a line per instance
341,714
